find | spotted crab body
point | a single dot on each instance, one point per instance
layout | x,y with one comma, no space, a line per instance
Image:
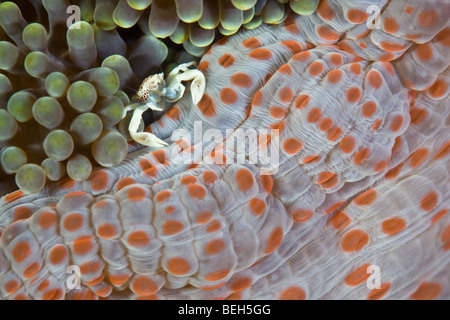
361,180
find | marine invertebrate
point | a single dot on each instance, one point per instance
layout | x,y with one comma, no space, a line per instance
62,93
194,23
154,92
361,177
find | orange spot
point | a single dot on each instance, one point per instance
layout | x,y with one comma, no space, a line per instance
424,52
204,217
251,43
333,207
13,196
355,68
214,226
390,25
222,41
418,157
118,279
340,221
274,240
353,94
196,191
361,156
438,89
380,165
206,106
53,294
393,225
106,231
163,195
302,215
354,240
292,145
90,267
217,275
67,184
11,286
136,194
226,60
429,201
257,206
203,66
328,179
187,180
301,101
31,270
267,182
47,219
144,286
397,123
160,156
125,182
21,213
73,221
358,276
438,215
21,251
444,151
336,59
228,95
82,245
277,112
357,16
325,124
366,198
443,37
327,34
209,177
290,25
293,292
347,144
174,112
311,159
409,9
171,227
325,11
315,68
334,76
57,254
377,294
314,115
151,172
98,180
241,79
285,94
418,115
391,46
368,109
244,179
386,57
375,79
302,56
257,99
240,284
145,164
138,238
427,291
334,133
214,246
294,46
260,54
427,18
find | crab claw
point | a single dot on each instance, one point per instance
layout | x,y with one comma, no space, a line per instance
175,89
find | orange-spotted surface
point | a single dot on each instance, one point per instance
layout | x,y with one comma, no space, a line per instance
356,178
